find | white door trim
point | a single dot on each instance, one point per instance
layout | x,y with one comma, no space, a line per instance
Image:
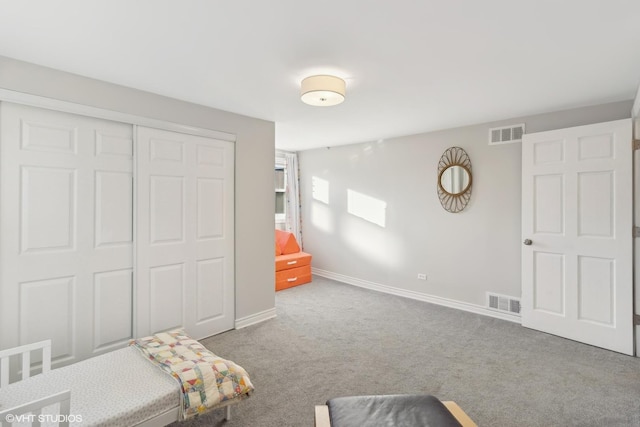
635,110
101,113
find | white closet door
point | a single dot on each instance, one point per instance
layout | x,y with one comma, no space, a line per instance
66,219
184,234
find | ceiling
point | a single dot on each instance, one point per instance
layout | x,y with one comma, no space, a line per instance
411,66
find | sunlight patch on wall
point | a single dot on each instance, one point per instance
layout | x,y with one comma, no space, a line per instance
321,217
374,244
320,189
367,207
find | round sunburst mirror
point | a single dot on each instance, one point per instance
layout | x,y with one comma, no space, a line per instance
454,179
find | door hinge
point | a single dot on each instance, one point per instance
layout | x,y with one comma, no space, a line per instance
636,144
636,231
636,319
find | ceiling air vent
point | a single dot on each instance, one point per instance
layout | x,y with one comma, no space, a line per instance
503,303
506,134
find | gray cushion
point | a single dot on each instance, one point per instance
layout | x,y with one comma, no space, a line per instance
399,410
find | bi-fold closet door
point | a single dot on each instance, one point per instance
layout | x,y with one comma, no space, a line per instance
184,238
95,251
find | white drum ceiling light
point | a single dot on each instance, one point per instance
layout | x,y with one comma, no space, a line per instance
322,91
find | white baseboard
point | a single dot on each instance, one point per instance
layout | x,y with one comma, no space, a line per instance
255,318
465,306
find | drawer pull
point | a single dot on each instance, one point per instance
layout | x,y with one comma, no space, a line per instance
292,262
293,279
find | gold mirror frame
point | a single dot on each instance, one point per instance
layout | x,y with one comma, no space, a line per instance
454,202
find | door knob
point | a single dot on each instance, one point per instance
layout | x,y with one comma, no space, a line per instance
527,242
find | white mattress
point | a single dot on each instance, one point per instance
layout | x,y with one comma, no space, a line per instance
132,390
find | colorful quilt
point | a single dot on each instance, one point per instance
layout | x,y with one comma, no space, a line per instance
207,380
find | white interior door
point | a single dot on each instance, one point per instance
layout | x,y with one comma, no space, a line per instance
66,229
577,279
185,233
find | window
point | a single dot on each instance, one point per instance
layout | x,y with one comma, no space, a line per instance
280,184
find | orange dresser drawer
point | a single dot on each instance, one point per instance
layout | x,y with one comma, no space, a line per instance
299,259
293,277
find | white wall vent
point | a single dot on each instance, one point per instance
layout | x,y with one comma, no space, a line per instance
504,303
506,134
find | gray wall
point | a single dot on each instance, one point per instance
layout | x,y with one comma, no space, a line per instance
255,152
464,254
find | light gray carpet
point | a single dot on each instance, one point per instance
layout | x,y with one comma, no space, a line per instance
332,339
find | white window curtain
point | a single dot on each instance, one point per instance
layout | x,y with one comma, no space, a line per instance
292,211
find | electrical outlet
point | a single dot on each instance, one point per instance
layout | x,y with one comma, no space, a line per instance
422,276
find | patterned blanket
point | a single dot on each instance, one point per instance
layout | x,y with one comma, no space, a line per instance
207,380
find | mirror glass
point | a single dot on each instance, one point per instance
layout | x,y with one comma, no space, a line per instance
454,179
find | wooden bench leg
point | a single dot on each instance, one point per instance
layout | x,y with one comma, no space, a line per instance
322,416
460,415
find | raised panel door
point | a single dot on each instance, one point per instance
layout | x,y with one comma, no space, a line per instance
577,278
185,233
67,231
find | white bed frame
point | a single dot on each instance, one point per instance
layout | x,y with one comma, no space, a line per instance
34,408
62,398
25,351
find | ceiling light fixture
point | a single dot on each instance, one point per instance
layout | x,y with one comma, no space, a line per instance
322,91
